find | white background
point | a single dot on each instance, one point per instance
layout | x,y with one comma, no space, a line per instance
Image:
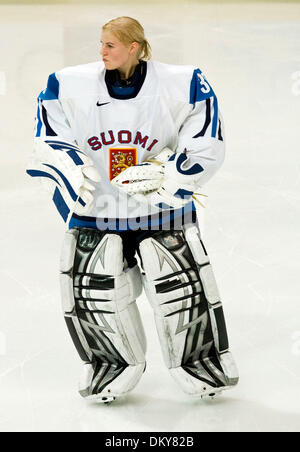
250,53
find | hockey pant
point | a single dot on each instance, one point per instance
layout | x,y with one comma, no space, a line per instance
98,293
181,287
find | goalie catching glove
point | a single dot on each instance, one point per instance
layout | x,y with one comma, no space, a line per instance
168,181
67,173
144,178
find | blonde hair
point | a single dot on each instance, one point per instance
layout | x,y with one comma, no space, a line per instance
129,30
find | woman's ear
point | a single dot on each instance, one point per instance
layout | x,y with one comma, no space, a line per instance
133,47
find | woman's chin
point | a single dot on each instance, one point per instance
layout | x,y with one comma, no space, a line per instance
109,66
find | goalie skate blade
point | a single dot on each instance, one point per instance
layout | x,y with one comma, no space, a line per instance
105,400
97,398
213,393
211,396
210,393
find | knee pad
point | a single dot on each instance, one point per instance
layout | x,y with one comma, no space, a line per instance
180,285
98,297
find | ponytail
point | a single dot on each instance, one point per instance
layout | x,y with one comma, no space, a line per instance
145,50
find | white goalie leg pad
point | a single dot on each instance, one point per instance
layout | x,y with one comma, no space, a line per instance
67,295
168,287
101,312
192,235
188,312
209,284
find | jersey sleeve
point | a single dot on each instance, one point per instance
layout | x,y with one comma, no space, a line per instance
57,162
51,119
201,136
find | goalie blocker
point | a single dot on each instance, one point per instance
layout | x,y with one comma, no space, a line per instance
99,290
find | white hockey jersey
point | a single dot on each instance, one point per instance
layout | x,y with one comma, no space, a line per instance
175,107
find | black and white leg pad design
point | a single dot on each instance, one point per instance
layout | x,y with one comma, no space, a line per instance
181,287
98,297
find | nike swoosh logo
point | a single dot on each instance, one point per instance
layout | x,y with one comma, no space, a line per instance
100,105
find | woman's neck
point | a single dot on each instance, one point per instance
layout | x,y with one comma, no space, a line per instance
126,72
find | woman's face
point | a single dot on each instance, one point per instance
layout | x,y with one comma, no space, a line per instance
114,53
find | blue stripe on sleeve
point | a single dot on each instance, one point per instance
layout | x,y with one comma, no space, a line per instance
207,120
215,118
39,124
49,131
220,131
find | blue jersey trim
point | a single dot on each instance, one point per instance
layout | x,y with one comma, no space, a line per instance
49,131
215,118
129,89
52,90
194,169
199,93
39,124
220,131
197,89
207,120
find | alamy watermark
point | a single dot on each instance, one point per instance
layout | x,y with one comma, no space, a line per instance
126,214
